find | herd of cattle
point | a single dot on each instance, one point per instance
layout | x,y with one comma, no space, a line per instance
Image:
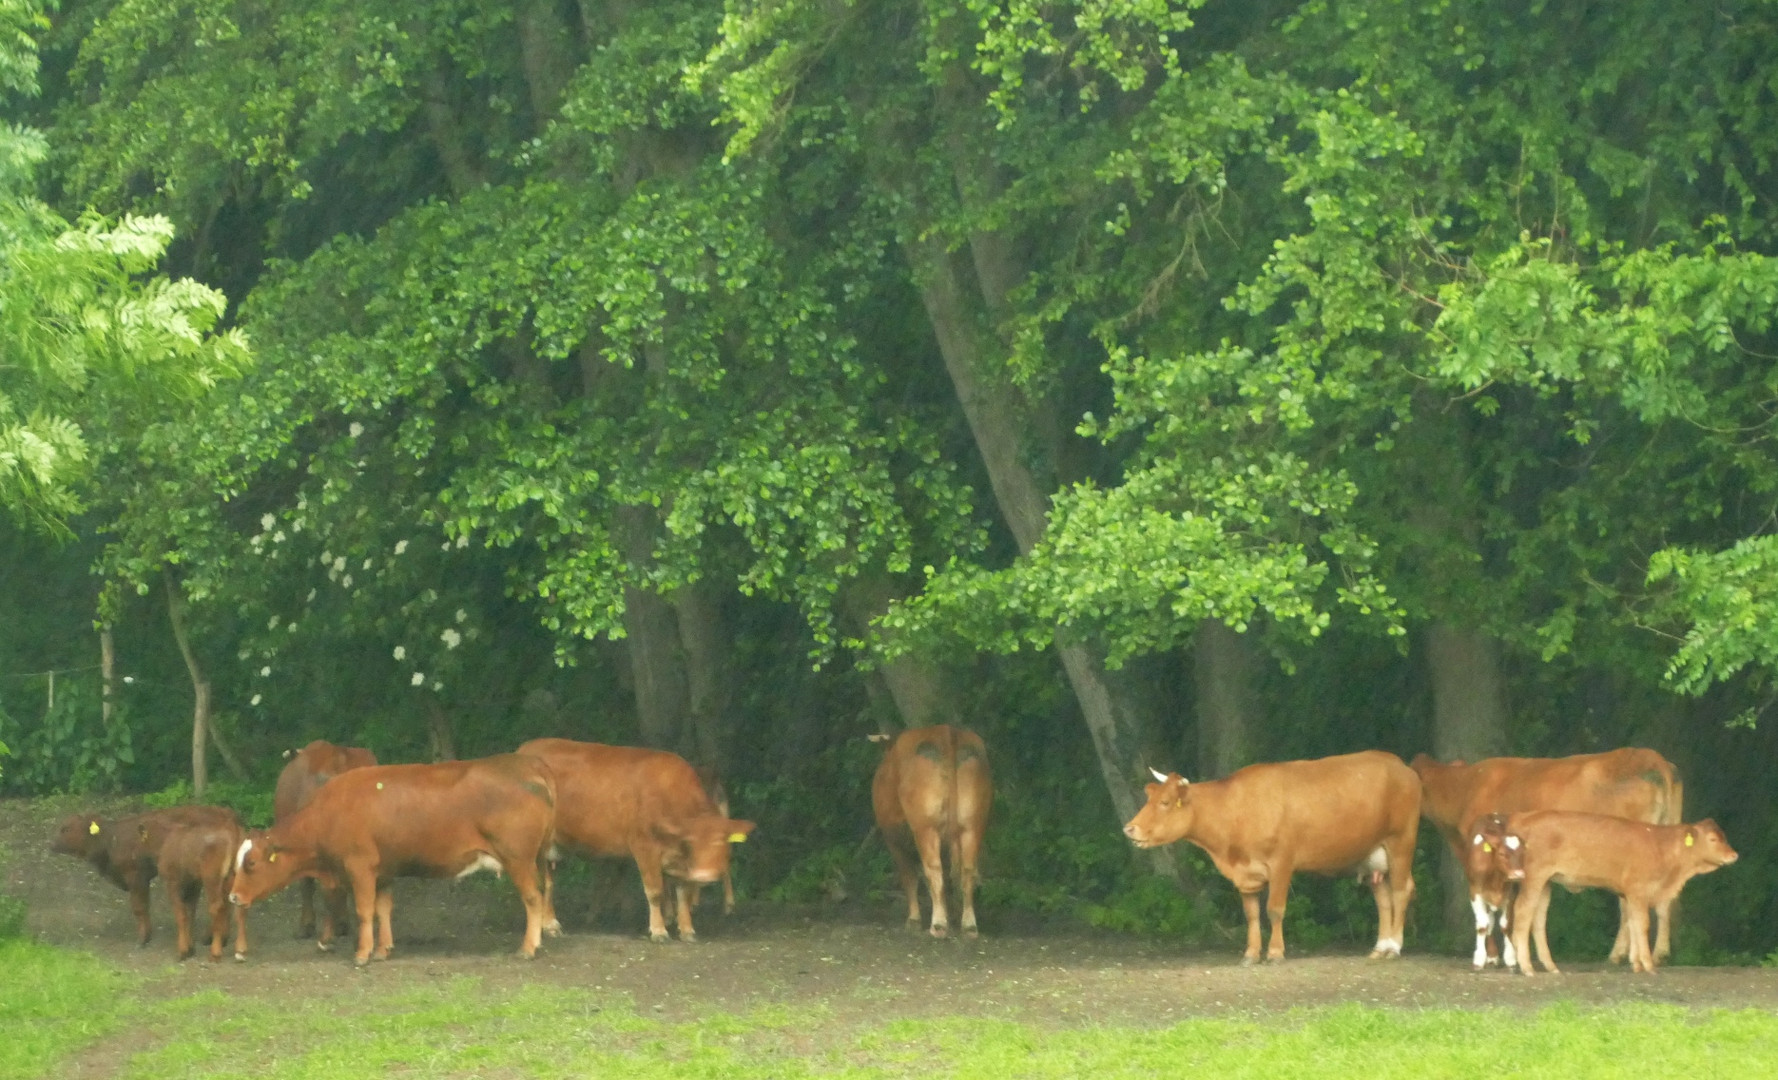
344,822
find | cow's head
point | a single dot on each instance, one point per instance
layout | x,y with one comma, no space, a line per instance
1166,816
263,866
1493,856
1705,843
697,849
79,834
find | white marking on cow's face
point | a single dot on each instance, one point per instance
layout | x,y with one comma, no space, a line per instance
1159,776
241,854
1512,843
483,861
1478,839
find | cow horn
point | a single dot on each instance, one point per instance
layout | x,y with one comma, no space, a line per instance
1158,774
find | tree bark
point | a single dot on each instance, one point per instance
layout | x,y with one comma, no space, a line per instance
107,676
918,687
1226,704
709,675
235,768
1468,723
200,690
657,661
438,724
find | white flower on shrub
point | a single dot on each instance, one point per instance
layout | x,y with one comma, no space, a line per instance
463,541
461,614
272,624
310,598
278,537
400,546
401,652
267,521
451,638
346,582
256,699
356,429
419,678
339,562
265,671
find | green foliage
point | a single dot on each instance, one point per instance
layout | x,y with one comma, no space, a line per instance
251,801
72,749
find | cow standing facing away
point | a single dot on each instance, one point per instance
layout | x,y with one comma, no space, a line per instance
1646,865
201,858
1631,783
933,791
1265,822
309,768
647,804
125,850
374,824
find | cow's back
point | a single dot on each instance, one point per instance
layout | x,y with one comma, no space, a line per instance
608,794
1632,783
1333,812
310,768
935,777
405,812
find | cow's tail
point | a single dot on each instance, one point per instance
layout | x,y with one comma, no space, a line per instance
1674,811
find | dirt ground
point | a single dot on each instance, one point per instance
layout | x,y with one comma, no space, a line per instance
855,965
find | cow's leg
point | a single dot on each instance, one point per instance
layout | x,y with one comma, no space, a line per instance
524,878
1539,932
1504,917
653,887
932,862
1484,925
1664,929
687,896
969,848
305,923
728,895
240,917
385,931
899,850
139,908
364,899
1384,896
1250,906
1636,916
1277,892
1620,946
551,925
1523,918
185,903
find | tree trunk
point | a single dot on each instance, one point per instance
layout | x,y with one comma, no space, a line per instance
200,690
1468,723
235,768
438,724
657,661
709,674
1226,705
107,676
918,687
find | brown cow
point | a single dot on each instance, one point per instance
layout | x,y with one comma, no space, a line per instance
201,858
718,792
308,769
647,804
1494,864
125,850
373,824
932,791
1637,784
1265,822
1646,865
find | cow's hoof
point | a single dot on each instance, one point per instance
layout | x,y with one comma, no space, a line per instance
940,931
1381,954
1249,961
523,955
553,928
240,958
971,933
361,962
1274,959
324,946
689,937
658,937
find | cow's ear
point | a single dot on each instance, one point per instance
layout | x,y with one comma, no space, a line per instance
667,833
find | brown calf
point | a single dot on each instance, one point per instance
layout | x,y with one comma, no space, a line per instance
932,791
309,768
1494,863
1632,783
125,850
1263,823
373,824
647,804
201,858
1646,865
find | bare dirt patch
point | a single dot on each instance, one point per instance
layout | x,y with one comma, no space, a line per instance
850,966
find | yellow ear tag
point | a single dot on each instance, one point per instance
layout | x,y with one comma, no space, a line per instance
93,828
1689,839
737,837
1487,849
379,785
273,857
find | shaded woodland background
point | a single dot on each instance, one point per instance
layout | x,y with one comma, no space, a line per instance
1136,383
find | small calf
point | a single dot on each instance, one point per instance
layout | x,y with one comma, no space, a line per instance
201,858
125,850
1493,862
1646,865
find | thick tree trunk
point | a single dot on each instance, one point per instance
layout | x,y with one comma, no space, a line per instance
438,726
1227,707
200,690
1468,723
918,687
657,660
709,672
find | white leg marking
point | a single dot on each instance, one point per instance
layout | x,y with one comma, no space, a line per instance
1483,921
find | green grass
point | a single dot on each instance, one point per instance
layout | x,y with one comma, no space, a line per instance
53,1003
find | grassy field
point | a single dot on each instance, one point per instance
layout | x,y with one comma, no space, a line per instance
62,1008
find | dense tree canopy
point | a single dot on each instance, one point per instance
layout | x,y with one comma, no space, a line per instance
1139,383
